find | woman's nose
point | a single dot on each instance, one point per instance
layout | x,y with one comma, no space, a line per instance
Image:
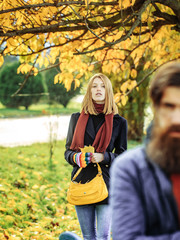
98,88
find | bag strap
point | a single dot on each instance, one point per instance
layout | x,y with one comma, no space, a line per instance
80,169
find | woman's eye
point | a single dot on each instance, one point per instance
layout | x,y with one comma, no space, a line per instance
168,105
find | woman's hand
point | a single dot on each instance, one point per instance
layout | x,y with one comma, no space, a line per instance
82,159
97,157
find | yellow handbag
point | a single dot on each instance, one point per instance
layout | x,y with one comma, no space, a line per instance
87,193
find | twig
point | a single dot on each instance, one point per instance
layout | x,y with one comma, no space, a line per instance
25,80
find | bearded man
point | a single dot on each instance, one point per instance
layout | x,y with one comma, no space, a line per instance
145,181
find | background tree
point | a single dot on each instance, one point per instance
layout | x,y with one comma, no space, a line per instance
10,82
132,104
57,92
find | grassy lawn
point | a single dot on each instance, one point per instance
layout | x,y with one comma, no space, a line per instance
39,110
33,193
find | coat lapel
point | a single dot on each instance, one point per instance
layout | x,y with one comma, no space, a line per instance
90,130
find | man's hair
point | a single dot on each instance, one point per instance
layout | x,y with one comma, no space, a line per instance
109,106
167,75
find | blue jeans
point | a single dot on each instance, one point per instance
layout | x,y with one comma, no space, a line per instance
89,216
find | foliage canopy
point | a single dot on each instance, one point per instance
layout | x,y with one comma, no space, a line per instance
108,32
125,39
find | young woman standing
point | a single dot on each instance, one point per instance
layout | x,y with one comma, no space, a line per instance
100,126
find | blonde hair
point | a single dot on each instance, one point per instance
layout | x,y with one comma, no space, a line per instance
109,105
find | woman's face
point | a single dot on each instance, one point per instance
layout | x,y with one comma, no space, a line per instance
98,90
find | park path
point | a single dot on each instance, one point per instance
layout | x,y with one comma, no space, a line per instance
26,131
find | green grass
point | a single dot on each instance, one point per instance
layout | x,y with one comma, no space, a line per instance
133,144
32,195
33,189
39,110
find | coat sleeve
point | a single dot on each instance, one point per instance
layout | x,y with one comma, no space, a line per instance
128,220
68,152
120,144
121,141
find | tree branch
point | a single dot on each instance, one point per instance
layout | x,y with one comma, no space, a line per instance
59,4
124,37
150,73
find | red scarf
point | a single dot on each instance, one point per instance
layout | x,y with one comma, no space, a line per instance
175,178
103,135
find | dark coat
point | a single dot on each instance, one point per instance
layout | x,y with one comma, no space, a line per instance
118,143
143,205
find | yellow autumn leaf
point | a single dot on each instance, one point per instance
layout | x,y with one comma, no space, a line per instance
6,234
77,83
117,97
124,3
14,238
147,65
132,84
124,87
149,24
133,73
28,36
91,67
46,62
57,78
37,20
79,75
87,149
87,2
123,100
6,23
40,61
67,79
106,68
35,187
36,229
1,60
22,48
20,18
2,209
24,68
35,71
12,42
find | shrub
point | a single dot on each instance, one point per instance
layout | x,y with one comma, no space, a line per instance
10,82
58,92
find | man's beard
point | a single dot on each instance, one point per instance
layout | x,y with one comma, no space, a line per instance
164,149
